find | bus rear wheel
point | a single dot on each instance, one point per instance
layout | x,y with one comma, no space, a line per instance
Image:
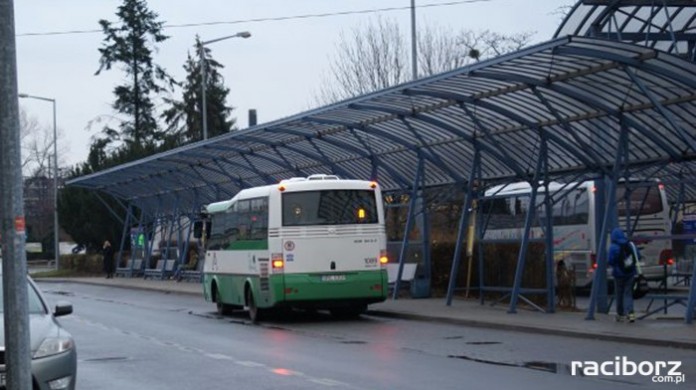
255,314
222,308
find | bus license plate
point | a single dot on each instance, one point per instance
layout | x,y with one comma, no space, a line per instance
333,278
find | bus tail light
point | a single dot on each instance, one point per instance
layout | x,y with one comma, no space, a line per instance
666,257
277,262
383,258
593,258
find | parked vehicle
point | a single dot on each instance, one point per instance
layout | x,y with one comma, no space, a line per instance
53,353
641,207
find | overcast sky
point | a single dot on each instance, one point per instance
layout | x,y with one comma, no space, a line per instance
277,71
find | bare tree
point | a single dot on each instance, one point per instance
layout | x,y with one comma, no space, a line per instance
37,147
486,44
439,50
375,57
367,60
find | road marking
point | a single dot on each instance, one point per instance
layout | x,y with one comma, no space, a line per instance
327,382
285,372
217,356
249,364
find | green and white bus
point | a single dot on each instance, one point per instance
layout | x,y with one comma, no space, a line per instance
310,243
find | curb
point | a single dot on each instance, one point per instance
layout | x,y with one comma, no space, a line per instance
682,344
125,287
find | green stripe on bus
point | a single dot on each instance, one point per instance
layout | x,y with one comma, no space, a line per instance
348,285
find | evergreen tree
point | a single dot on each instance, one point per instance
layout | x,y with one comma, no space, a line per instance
85,218
131,43
184,117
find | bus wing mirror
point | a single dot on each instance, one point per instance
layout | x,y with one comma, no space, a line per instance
208,228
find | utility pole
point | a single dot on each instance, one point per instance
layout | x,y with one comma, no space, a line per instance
414,46
14,263
56,227
204,87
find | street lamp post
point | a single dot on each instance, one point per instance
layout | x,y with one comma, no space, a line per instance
56,227
204,111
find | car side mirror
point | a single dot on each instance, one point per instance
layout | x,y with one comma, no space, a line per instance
63,308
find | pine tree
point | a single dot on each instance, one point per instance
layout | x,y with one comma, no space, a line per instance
131,43
184,117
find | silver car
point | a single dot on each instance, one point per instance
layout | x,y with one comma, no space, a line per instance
54,359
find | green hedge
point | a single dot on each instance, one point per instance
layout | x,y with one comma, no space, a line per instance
82,263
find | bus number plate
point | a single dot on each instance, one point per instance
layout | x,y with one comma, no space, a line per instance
333,278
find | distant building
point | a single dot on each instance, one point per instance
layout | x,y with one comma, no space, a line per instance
38,210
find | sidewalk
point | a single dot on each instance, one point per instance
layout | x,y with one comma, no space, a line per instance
661,331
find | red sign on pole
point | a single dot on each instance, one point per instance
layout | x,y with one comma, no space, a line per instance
20,224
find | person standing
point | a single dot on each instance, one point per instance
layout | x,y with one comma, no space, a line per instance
108,253
623,258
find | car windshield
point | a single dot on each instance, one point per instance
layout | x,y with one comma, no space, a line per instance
35,304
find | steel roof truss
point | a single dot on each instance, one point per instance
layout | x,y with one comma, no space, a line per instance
658,105
375,160
434,156
592,102
576,151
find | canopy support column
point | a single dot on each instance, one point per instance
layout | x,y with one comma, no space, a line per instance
409,226
463,225
522,256
124,233
598,296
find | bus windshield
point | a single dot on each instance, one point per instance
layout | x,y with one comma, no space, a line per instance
329,207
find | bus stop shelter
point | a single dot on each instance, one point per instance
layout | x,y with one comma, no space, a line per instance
575,107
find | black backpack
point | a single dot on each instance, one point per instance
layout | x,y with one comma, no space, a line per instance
627,259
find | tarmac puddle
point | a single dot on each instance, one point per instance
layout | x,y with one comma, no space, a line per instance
106,359
59,292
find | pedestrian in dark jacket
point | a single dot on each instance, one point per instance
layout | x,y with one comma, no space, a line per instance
624,273
108,253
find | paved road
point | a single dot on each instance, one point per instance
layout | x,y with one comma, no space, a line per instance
150,340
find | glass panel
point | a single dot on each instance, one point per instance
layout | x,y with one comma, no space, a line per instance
329,207
36,306
642,201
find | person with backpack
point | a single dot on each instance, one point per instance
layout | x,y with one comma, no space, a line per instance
623,258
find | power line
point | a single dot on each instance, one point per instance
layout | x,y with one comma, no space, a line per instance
273,19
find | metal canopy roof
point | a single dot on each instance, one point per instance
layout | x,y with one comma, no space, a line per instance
575,92
668,25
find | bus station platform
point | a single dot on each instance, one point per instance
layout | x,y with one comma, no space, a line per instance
667,329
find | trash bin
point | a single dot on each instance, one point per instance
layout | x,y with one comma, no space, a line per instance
420,287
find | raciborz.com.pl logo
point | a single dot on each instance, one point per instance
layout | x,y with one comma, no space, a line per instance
657,371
